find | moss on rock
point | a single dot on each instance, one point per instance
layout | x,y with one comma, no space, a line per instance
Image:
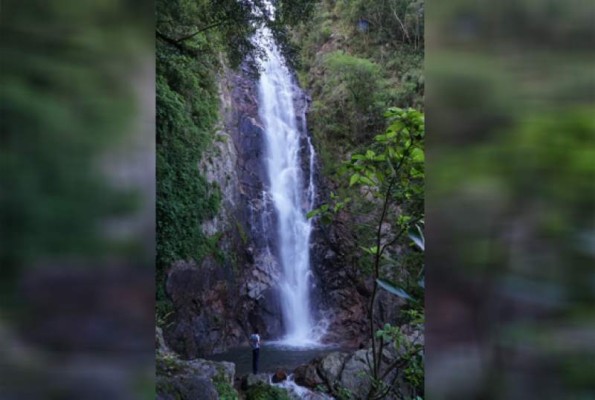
266,392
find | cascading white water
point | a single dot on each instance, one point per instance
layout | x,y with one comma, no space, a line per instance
291,196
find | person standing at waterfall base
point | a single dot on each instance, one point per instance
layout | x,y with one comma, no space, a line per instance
255,343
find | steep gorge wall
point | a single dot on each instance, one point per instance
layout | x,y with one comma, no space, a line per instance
217,303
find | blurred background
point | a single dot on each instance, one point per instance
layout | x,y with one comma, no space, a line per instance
510,223
77,199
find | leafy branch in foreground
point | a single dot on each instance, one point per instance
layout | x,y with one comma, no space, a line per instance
390,175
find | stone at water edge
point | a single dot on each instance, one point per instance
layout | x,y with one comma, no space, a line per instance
307,375
185,388
253,380
279,376
352,378
331,366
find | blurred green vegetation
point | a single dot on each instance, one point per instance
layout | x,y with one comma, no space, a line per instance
66,102
511,194
73,101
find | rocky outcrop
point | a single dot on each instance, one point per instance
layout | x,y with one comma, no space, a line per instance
185,387
219,300
344,290
343,293
307,375
259,387
331,367
341,372
188,380
204,322
255,379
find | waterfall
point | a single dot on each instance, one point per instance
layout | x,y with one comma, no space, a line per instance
292,192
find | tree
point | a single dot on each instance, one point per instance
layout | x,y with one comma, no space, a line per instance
391,21
391,174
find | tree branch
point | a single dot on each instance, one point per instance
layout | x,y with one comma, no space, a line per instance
176,44
206,28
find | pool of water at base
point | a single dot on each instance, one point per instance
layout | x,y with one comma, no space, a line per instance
273,356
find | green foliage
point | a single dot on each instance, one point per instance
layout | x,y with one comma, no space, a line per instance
410,361
389,21
266,392
392,169
227,25
342,393
358,75
168,364
393,289
391,174
354,76
187,110
351,108
224,389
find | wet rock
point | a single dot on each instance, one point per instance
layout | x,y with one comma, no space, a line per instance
168,364
192,379
185,388
354,377
254,380
340,293
331,367
212,369
279,376
307,375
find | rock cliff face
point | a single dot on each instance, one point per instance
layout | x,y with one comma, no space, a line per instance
219,301
343,295
188,380
348,372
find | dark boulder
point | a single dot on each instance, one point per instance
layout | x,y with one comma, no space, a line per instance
185,388
307,375
279,376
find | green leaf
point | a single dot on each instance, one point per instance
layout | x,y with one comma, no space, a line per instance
417,154
370,250
418,237
393,289
313,213
354,179
367,181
